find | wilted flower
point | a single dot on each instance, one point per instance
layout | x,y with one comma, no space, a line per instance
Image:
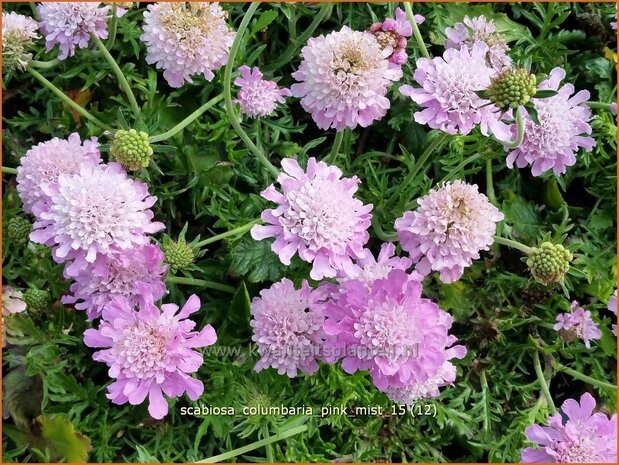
93,212
118,273
563,129
186,40
12,301
451,225
149,351
45,162
391,34
577,324
368,269
582,437
18,35
70,24
287,326
343,79
317,216
258,97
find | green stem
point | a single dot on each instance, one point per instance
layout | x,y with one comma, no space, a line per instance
263,442
65,98
44,64
227,92
380,233
489,183
7,170
513,244
457,169
337,143
484,389
438,140
233,232
187,121
113,27
543,383
416,33
599,105
586,379
201,283
519,132
119,75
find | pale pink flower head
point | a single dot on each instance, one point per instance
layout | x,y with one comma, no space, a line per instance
149,351
258,97
391,34
479,29
447,93
563,130
185,40
287,326
12,301
368,269
46,161
389,330
612,306
94,211
70,24
451,225
575,435
18,35
118,273
317,216
577,324
343,79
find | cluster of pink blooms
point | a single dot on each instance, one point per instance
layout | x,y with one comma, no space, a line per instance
391,34
258,97
582,437
578,324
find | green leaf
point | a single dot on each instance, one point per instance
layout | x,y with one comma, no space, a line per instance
22,396
255,260
263,21
524,216
532,113
545,93
239,307
552,195
481,94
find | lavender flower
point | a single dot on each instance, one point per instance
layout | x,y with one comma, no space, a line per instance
612,306
368,269
577,324
258,97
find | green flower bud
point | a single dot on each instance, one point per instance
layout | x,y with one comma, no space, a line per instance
512,88
549,262
131,149
18,230
36,300
179,255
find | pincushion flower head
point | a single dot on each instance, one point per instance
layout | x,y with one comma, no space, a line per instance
70,24
577,324
575,435
258,97
449,228
391,34
368,269
447,93
563,130
94,211
479,29
389,330
185,40
12,301
149,351
317,216
343,79
18,35
45,162
118,273
287,326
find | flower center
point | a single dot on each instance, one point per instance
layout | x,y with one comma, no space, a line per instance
578,451
351,58
141,349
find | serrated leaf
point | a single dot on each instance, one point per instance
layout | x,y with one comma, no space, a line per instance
256,261
522,215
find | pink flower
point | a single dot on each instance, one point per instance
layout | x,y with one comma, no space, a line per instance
93,212
149,351
45,162
343,79
563,129
578,324
391,34
447,92
257,97
612,306
186,40
70,24
317,216
368,269
119,273
582,437
390,330
451,225
287,327
12,301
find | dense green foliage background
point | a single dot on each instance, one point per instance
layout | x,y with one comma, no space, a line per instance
205,178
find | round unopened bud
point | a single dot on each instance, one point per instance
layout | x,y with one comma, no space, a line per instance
36,300
18,35
131,149
179,255
18,230
549,262
512,88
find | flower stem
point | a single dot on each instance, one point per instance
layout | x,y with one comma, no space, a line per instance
457,169
120,76
416,33
255,445
201,283
228,97
187,121
44,64
7,170
65,98
519,132
513,244
543,383
337,143
113,27
586,379
233,232
600,105
489,183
